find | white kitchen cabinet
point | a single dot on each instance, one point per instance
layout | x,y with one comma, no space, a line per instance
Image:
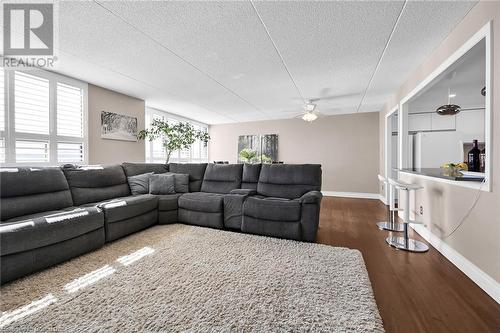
440,123
470,124
419,122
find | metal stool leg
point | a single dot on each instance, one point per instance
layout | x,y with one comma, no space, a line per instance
405,242
391,224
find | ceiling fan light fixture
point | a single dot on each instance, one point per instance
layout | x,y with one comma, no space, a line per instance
309,116
448,109
309,107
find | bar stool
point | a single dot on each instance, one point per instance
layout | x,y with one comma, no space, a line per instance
391,224
405,242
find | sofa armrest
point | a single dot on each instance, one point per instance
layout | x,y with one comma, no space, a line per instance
311,197
243,191
311,205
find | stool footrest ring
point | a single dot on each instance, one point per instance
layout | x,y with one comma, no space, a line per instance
410,245
389,226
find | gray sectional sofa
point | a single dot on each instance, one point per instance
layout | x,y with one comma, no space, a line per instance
49,215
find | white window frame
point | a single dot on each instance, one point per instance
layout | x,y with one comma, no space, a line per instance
10,134
175,157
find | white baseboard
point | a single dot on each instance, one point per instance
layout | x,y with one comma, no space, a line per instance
483,280
359,195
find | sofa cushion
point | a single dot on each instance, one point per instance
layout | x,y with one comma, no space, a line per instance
162,184
289,180
196,171
127,207
202,202
139,184
181,181
251,173
222,178
42,229
94,184
133,169
168,201
273,209
32,190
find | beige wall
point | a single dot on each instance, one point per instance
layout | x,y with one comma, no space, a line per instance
103,151
478,240
345,145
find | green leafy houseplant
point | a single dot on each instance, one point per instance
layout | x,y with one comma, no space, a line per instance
248,155
174,136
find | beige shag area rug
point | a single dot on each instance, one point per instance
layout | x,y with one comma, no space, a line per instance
183,278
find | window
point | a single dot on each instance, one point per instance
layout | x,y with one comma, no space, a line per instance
2,115
45,122
155,153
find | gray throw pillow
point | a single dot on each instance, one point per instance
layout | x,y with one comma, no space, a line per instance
139,184
161,184
181,182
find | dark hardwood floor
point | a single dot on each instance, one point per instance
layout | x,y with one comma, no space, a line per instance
415,292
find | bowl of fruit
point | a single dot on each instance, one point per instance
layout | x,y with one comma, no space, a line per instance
453,169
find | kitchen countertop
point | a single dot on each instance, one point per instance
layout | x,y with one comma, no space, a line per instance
444,174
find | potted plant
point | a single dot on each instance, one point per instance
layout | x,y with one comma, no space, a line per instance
248,155
174,136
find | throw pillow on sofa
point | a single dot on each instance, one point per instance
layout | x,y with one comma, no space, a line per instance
162,184
181,181
139,184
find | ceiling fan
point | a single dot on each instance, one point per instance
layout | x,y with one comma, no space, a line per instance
310,112
310,106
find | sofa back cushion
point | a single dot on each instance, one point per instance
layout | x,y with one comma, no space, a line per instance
251,174
94,184
196,171
222,178
134,169
26,191
289,180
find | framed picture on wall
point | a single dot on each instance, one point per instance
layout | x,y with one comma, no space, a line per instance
258,148
116,126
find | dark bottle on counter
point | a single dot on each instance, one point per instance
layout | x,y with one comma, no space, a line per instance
482,160
473,162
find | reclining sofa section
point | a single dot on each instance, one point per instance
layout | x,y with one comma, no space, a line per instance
49,215
40,226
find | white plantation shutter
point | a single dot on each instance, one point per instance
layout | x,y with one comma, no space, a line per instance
69,152
31,102
2,116
32,151
69,111
154,150
159,155
47,118
2,150
2,100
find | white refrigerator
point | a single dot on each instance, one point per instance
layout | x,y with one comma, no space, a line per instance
433,149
